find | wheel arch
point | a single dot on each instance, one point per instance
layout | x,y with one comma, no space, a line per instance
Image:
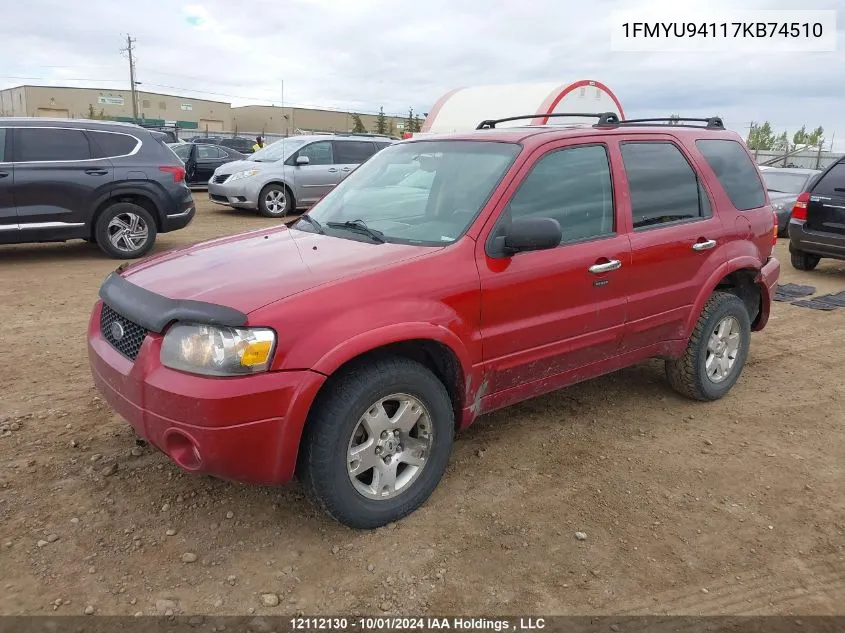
740,276
284,183
135,195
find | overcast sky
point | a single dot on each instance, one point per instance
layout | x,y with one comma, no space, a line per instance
362,54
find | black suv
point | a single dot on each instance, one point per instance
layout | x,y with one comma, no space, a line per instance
115,184
817,225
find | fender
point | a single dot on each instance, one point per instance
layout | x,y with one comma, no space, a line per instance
396,333
724,269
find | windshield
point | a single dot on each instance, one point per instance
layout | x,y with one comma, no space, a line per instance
426,192
279,150
781,182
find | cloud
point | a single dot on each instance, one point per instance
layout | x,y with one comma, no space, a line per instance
371,53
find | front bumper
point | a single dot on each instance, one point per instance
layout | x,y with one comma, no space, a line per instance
824,244
244,429
238,194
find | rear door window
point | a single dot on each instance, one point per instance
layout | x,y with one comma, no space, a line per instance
353,152
51,144
735,170
664,187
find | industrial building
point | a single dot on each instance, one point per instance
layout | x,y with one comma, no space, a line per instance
185,112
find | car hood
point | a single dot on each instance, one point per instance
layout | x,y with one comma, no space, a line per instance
240,165
251,270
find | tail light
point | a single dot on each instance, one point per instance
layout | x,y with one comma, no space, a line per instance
177,172
799,209
775,230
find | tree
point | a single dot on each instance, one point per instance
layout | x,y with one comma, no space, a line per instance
417,123
674,119
91,113
409,122
761,137
381,122
357,125
802,137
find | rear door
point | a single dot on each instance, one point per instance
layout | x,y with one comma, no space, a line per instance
57,180
8,212
547,313
319,176
350,154
209,158
675,239
826,207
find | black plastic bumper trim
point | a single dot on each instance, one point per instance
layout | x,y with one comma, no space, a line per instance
155,312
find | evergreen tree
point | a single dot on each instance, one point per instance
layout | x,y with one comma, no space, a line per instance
357,125
381,122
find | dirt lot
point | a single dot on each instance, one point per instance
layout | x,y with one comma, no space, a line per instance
734,507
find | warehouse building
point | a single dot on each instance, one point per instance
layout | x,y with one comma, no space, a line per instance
185,112
157,109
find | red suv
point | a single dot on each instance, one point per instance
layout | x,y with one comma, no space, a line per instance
445,278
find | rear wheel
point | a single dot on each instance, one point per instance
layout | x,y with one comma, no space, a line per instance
275,201
125,231
378,445
716,351
804,261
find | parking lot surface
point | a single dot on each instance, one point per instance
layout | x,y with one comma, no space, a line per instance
732,507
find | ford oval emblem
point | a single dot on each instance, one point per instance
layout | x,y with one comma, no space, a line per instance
116,330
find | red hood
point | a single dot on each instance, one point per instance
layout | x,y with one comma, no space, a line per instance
250,270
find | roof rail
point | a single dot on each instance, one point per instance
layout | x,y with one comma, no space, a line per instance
711,123
605,118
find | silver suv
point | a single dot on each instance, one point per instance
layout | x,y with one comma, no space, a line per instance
292,173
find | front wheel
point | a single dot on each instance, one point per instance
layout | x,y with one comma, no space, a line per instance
378,444
716,351
275,201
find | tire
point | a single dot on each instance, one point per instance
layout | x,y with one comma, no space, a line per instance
336,428
689,374
118,218
804,261
275,201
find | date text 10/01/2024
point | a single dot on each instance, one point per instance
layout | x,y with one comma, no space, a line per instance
420,623
789,30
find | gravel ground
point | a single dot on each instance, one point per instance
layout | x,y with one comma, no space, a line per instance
613,496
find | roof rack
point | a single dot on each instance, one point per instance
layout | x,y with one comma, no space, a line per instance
604,118
711,123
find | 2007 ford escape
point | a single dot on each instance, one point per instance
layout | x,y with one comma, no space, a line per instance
445,278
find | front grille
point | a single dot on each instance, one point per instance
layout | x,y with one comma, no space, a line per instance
219,198
129,344
221,178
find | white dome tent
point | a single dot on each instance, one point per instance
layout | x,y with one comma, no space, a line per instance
462,109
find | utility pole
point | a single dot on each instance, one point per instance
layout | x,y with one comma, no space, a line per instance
130,43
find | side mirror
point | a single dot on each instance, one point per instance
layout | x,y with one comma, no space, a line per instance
528,234
302,160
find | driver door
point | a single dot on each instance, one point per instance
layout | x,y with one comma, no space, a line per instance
548,315
319,176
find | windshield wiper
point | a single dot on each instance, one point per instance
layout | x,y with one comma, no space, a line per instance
359,226
307,218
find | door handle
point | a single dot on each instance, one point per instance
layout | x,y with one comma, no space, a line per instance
332,169
704,246
606,267
3,174
96,172
346,169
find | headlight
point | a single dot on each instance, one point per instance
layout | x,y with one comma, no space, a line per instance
246,173
778,206
217,351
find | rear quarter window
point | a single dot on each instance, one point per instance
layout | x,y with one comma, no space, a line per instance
735,171
110,144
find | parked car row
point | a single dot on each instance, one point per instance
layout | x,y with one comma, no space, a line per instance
201,160
784,184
